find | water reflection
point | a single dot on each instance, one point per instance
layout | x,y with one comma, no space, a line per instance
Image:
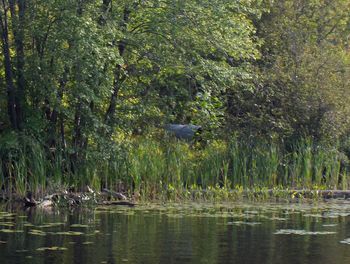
186,233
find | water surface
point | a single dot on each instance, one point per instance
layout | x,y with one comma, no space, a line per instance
179,233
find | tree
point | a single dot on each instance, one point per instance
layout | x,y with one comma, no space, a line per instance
303,72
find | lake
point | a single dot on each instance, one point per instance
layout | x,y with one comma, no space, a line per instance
179,233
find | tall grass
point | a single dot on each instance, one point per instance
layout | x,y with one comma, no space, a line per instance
150,167
23,164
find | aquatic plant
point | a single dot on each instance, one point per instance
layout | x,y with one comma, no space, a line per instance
176,170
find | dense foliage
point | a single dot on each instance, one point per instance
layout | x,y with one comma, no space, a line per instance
81,81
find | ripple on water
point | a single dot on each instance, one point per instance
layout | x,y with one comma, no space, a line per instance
51,248
302,232
346,241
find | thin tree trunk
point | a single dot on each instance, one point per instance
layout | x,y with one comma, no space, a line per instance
106,6
77,126
119,77
79,118
63,136
18,32
118,80
11,92
55,113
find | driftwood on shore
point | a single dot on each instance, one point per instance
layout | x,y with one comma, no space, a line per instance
76,199
111,198
125,203
114,194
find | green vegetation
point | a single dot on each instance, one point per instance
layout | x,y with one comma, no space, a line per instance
173,169
86,88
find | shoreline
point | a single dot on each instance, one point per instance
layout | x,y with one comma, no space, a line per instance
111,198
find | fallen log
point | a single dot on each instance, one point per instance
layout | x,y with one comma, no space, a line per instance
123,203
114,194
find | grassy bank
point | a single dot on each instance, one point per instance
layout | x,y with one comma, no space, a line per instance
147,168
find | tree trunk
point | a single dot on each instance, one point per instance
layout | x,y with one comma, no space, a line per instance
52,132
106,6
79,139
118,80
119,77
18,32
11,92
63,136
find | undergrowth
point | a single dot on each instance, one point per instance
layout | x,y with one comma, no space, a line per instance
150,168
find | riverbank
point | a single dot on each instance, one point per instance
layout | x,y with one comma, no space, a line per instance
111,198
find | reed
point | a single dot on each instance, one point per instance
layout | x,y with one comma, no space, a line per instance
174,169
